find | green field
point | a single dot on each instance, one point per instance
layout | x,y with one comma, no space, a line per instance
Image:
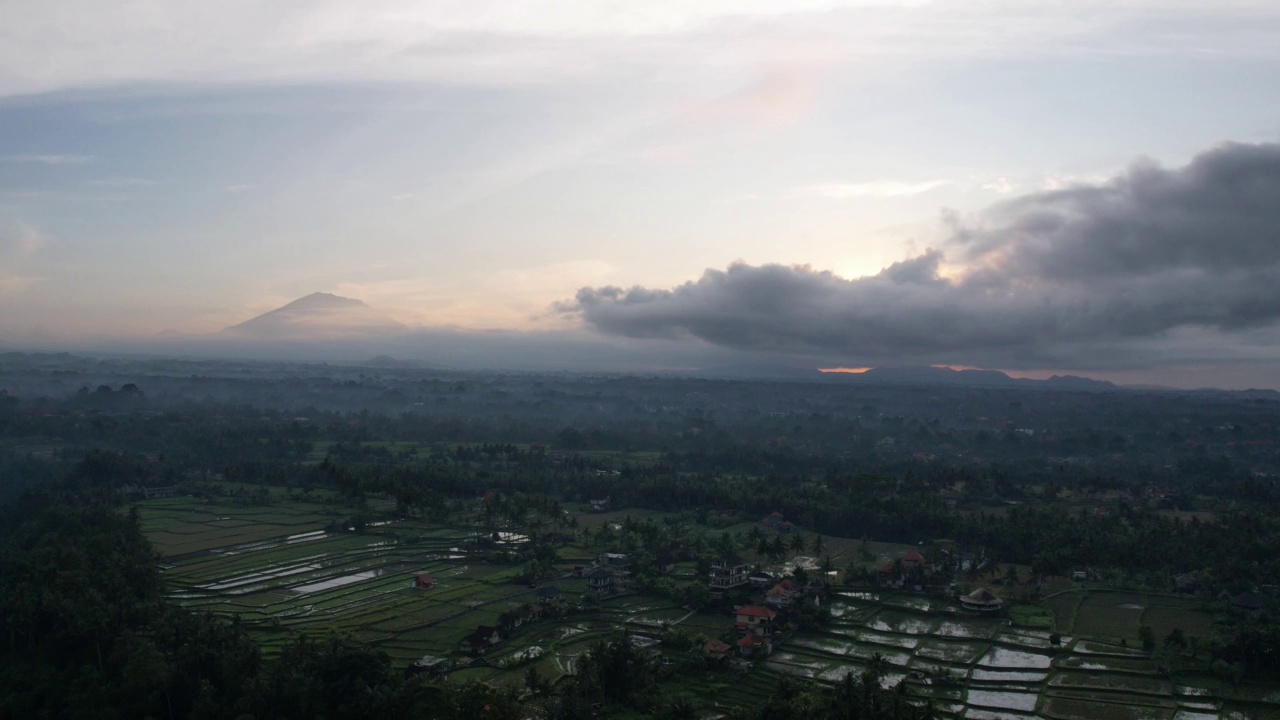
275,567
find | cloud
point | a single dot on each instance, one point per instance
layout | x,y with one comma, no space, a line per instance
1131,271
239,188
1000,186
15,284
183,42
122,182
20,240
60,159
884,189
1061,182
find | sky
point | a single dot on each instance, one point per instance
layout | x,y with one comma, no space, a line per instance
1034,186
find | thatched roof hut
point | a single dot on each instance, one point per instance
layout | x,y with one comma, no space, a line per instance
981,600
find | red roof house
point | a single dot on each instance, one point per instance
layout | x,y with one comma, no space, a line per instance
755,619
751,644
914,559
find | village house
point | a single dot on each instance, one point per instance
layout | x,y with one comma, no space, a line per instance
424,582
762,580
614,561
598,505
913,559
754,619
782,594
727,573
715,652
535,612
909,570
600,581
775,522
149,493
620,565
479,642
752,645
549,594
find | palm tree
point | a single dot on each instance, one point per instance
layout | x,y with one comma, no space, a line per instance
725,545
534,682
797,543
776,548
877,667
817,546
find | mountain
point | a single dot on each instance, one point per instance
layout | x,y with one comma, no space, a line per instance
387,362
1075,382
318,316
930,375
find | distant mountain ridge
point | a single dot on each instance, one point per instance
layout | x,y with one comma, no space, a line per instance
930,375
317,316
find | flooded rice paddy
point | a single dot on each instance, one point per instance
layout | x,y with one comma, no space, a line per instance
309,580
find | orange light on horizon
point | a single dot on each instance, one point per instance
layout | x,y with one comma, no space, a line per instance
852,371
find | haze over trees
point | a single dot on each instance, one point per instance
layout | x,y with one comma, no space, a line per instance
1148,491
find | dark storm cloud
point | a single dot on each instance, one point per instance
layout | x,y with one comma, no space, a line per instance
1067,276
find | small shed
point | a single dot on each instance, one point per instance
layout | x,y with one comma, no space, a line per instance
981,600
424,582
716,651
428,665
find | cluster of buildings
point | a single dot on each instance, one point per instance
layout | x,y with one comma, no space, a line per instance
912,570
731,572
485,637
758,623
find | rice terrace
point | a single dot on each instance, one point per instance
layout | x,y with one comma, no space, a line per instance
282,562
